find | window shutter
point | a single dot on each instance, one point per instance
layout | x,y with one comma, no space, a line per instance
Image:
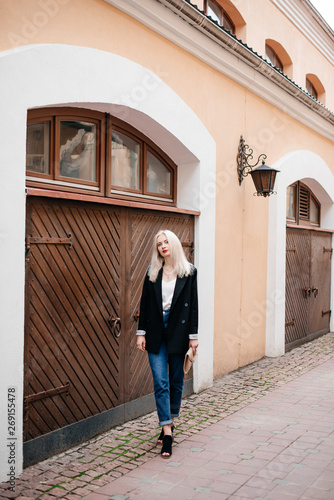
304,204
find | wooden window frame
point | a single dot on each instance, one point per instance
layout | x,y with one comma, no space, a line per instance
311,88
277,59
99,149
128,194
105,124
225,15
163,161
116,189
293,220
60,183
300,221
43,119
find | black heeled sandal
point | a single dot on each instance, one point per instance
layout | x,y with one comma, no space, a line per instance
161,436
167,446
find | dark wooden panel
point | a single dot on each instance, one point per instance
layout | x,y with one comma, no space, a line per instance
320,282
76,304
297,278
72,292
308,282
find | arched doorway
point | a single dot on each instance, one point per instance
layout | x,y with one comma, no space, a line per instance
86,259
134,94
308,268
310,169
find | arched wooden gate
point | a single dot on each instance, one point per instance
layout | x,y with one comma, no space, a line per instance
308,283
85,265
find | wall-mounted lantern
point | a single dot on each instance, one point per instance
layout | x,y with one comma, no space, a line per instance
263,176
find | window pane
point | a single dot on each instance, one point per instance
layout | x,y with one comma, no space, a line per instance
78,150
310,89
228,25
273,58
314,212
158,176
291,202
214,11
125,162
38,138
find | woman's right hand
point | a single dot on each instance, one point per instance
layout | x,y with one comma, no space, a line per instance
141,343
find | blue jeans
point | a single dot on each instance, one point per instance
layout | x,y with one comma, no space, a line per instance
168,375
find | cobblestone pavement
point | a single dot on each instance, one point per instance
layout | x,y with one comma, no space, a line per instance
91,469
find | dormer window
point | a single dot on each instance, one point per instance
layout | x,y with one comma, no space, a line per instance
217,13
311,89
273,58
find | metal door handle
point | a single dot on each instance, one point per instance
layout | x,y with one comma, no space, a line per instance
315,291
306,292
114,322
136,316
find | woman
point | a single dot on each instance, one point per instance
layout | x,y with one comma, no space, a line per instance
167,327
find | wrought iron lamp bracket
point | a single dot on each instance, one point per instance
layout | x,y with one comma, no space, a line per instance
245,153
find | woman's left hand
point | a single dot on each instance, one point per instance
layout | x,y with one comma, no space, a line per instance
193,343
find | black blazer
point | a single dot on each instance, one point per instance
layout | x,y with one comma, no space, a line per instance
183,316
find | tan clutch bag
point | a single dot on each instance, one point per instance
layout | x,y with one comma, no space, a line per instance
188,360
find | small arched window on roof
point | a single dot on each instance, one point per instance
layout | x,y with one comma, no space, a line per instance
311,89
315,88
217,13
273,58
278,57
302,207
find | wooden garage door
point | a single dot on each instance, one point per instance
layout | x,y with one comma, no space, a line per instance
85,265
308,282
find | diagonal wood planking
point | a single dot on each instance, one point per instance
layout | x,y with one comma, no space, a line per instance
72,292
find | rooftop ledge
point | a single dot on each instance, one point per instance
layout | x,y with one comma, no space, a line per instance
185,25
197,18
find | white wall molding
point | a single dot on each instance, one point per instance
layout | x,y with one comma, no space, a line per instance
308,20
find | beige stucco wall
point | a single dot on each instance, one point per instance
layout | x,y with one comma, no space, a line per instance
261,20
227,110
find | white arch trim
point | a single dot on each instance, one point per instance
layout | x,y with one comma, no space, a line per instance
314,172
51,75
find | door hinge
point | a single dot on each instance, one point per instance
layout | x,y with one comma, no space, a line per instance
323,313
329,250
45,394
46,240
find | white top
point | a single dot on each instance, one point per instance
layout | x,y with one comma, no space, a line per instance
168,288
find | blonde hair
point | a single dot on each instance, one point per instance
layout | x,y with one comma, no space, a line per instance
179,261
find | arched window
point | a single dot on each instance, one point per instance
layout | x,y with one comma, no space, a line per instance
311,89
273,58
302,207
315,88
278,57
85,151
217,13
